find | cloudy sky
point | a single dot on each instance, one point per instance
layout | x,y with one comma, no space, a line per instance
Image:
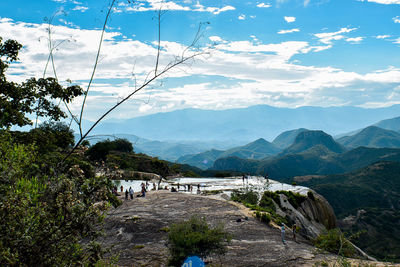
284,53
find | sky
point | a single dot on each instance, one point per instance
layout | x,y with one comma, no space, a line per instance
283,53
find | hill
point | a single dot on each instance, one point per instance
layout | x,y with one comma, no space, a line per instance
307,139
317,160
285,139
366,200
372,136
245,124
202,160
255,150
390,124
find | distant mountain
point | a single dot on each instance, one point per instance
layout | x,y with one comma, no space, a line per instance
390,124
202,160
307,139
255,150
317,160
285,139
372,136
170,151
258,149
366,200
245,124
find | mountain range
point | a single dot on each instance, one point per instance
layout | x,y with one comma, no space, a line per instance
365,201
244,125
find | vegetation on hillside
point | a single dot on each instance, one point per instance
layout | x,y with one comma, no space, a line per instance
371,195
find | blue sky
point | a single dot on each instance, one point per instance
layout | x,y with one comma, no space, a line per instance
284,53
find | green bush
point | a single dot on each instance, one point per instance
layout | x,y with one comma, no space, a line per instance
196,237
334,241
294,198
310,195
266,202
265,218
249,197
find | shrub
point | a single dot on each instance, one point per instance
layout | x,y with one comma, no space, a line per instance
249,197
310,195
334,241
266,202
196,237
265,218
294,198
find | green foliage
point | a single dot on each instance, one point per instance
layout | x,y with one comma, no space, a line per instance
294,198
334,241
246,196
100,150
266,218
196,237
48,219
310,195
35,96
266,200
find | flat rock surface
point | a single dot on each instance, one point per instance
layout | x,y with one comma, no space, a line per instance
135,230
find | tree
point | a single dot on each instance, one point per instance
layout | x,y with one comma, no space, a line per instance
35,96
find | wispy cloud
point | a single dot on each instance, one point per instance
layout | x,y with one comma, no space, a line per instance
80,8
263,5
289,19
288,31
151,5
242,17
383,36
385,2
328,37
355,40
396,19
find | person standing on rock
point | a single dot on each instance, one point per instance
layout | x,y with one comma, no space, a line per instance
294,228
131,192
126,194
283,233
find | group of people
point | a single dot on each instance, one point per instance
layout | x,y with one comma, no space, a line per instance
187,188
283,230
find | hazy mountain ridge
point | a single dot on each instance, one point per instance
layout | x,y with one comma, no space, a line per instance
246,124
372,136
255,150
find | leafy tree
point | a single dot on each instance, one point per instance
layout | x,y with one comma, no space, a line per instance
196,237
35,96
44,218
100,150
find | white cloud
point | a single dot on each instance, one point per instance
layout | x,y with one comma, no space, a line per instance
263,5
215,38
150,5
257,73
289,19
288,31
382,36
355,40
80,8
242,17
328,37
385,2
396,19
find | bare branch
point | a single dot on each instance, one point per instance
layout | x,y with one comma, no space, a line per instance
95,65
